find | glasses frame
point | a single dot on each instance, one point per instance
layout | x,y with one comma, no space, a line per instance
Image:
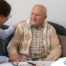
9,16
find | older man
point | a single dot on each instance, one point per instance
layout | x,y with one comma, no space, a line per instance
35,39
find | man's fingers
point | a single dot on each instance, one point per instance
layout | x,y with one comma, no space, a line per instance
13,57
18,59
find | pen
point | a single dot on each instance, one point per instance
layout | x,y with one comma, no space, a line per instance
32,63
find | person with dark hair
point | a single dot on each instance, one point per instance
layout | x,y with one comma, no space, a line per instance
5,10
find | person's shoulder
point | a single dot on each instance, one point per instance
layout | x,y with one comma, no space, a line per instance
50,26
24,24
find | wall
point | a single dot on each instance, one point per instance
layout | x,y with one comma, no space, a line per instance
21,10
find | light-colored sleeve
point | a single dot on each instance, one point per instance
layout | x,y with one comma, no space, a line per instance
7,32
13,45
3,59
55,52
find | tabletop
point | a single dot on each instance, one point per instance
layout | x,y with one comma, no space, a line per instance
29,63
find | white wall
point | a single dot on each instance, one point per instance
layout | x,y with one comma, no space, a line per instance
21,10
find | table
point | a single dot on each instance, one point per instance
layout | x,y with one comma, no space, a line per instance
60,62
38,63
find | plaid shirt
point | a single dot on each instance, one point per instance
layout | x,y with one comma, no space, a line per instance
37,48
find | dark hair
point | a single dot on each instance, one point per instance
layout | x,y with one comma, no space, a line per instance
5,8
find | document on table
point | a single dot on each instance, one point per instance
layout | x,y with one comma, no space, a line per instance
29,63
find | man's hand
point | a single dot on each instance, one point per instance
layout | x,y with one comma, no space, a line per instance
18,59
14,57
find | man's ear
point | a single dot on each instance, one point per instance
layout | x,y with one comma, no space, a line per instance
45,17
0,17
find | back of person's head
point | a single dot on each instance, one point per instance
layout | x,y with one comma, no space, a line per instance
5,8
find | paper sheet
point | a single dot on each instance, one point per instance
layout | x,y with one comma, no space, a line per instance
38,63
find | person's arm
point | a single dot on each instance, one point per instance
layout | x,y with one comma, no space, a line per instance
3,59
55,47
7,32
14,44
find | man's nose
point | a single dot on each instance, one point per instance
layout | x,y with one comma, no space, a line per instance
34,16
